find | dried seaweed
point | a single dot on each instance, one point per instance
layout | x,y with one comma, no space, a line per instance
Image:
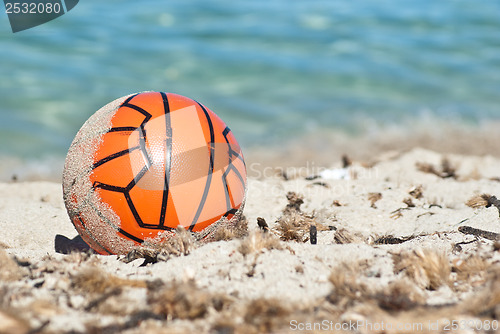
446,170
373,198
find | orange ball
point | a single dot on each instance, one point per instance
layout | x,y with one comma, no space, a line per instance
146,163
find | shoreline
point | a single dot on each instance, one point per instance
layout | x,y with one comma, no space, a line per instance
322,149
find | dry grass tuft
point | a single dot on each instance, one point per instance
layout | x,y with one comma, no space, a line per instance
94,280
472,268
342,236
180,243
485,303
478,201
238,231
428,269
266,315
484,200
294,224
185,301
346,288
257,241
164,247
399,296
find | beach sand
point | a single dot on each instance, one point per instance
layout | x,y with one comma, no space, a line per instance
402,247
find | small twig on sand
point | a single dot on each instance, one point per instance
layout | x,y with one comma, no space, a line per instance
390,240
479,233
458,246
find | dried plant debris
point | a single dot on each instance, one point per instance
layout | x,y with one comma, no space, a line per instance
346,285
409,202
398,213
266,315
92,279
294,202
113,304
486,302
484,200
446,170
427,268
473,267
391,240
294,224
346,161
343,236
179,243
238,231
496,246
185,301
478,201
321,184
479,233
399,296
257,241
373,198
417,192
458,246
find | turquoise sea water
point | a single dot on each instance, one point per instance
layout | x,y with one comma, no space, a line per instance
271,69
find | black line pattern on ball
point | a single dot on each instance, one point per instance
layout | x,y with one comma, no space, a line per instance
123,129
168,160
148,162
231,153
210,169
231,167
118,229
